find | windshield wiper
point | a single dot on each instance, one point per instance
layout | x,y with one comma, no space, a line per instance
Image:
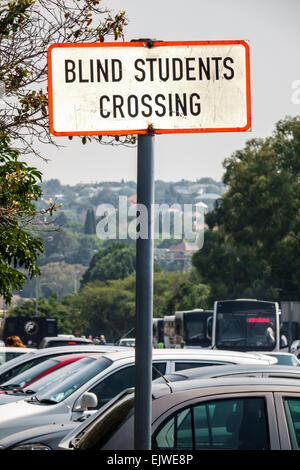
48,401
9,386
33,399
17,391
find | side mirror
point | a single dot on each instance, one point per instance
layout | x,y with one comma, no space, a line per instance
86,401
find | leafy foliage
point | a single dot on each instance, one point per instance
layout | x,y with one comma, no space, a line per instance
68,314
117,261
18,190
27,29
256,249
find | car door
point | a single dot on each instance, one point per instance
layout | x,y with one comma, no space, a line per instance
240,421
288,412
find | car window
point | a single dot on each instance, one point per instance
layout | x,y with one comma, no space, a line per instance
119,381
158,369
64,389
27,376
58,375
99,431
189,365
7,356
113,384
18,369
235,424
292,409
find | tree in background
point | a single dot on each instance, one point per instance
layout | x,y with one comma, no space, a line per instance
27,29
67,314
59,278
19,249
256,249
90,222
109,307
116,261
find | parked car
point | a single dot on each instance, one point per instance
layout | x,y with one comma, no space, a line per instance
245,413
236,370
64,340
7,353
45,437
48,437
127,342
95,385
49,380
20,364
29,376
285,358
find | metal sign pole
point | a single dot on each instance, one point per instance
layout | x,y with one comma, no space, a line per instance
144,298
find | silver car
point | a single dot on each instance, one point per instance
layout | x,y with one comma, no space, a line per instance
245,413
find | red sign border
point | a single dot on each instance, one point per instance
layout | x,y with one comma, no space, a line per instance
154,44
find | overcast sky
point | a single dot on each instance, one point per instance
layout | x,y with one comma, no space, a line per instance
272,29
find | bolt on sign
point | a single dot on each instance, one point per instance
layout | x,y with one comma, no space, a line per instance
133,87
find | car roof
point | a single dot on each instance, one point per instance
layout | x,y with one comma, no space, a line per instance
16,349
223,385
69,357
196,353
57,350
231,369
64,337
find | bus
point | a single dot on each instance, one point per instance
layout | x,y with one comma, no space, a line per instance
158,331
169,331
192,328
31,330
290,320
246,325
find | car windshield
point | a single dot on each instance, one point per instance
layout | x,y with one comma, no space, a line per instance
62,390
97,434
58,375
27,376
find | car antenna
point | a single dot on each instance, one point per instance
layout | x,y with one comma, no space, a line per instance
162,375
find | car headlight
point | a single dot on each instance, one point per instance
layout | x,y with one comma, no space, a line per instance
33,446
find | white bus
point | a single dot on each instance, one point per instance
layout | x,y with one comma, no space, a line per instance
192,328
169,331
158,331
246,325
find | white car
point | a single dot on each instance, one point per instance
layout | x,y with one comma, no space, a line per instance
19,364
7,353
285,358
91,388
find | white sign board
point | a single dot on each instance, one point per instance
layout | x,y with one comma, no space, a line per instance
130,88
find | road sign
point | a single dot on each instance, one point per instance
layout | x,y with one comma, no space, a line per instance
132,88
